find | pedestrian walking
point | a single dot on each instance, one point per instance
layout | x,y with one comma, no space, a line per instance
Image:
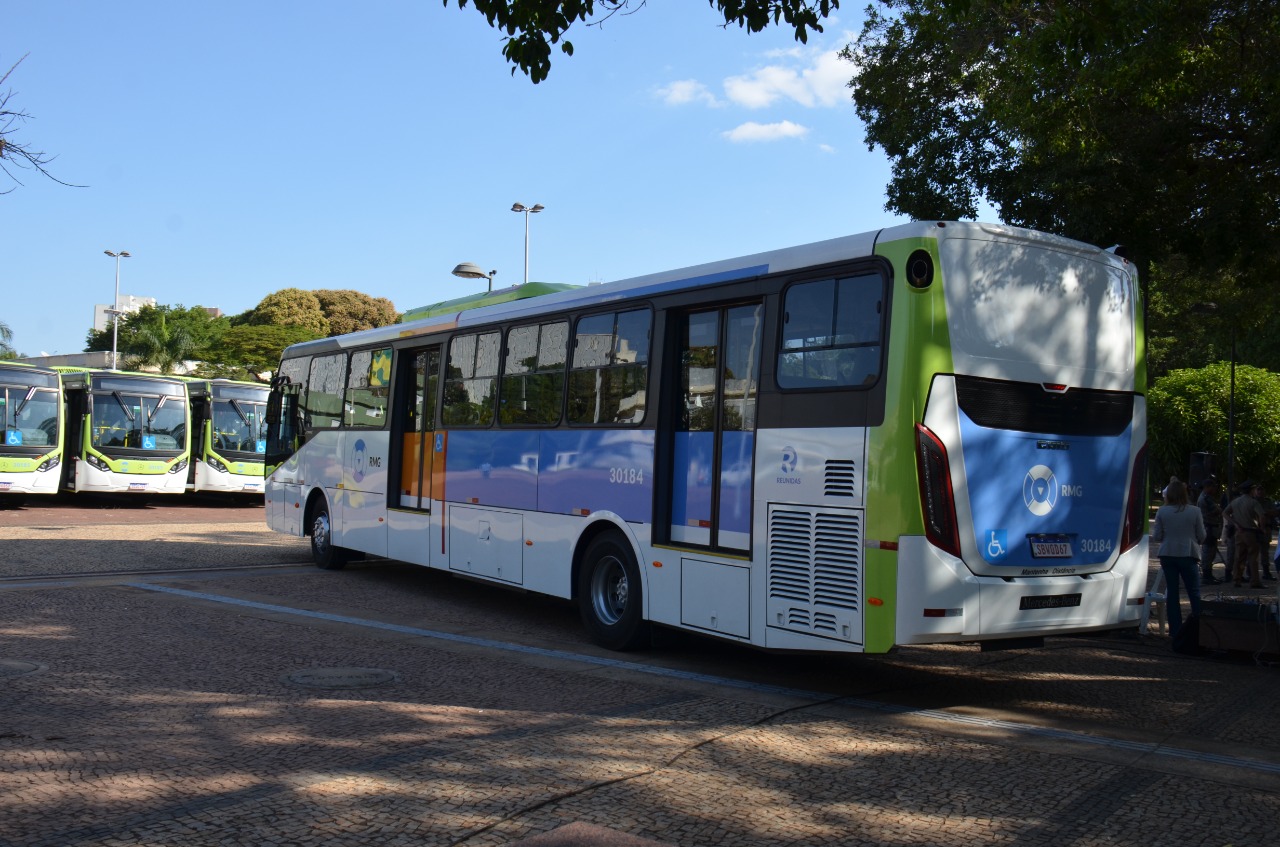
1210,505
1250,519
1179,529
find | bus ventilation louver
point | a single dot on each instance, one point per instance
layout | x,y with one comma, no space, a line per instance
840,479
814,570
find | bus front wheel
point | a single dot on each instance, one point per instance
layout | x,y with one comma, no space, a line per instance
609,595
323,551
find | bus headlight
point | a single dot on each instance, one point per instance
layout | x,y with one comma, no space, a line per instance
213,462
96,462
49,464
177,466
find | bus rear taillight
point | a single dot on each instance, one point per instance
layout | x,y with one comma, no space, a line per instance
1135,514
937,500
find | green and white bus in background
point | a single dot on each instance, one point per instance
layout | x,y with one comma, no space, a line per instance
231,437
126,432
31,406
931,433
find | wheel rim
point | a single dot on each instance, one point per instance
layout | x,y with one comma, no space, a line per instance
609,590
320,535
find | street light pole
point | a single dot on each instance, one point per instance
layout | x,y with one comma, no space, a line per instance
115,306
528,210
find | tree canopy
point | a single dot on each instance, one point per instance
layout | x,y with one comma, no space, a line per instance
291,307
144,333
351,311
1153,124
533,26
245,352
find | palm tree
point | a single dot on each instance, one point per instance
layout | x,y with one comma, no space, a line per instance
6,342
161,348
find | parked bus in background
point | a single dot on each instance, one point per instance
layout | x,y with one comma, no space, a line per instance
230,433
126,432
933,433
31,407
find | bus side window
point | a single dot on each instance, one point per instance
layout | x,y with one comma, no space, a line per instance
831,333
533,374
471,380
368,384
609,377
324,391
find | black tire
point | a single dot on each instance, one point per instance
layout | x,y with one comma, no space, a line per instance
609,595
323,551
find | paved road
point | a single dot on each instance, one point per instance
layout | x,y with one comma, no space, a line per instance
229,694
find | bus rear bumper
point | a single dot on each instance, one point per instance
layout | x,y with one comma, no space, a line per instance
940,601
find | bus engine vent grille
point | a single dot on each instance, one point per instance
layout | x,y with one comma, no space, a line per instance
814,571
841,478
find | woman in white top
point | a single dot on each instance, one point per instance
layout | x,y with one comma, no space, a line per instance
1179,528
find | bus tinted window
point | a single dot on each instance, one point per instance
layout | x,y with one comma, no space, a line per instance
533,374
324,391
610,368
368,387
472,380
831,333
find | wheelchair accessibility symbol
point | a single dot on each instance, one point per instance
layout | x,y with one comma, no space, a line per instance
996,547
13,438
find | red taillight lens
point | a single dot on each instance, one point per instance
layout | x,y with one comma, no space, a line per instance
1135,515
937,501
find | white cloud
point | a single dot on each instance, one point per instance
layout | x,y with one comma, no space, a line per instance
817,79
685,91
752,131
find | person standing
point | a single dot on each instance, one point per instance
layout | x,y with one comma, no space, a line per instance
1179,529
1250,519
1210,505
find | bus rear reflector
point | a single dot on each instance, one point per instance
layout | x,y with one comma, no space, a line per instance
1135,516
937,501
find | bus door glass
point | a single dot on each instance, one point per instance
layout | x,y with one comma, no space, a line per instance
418,414
715,421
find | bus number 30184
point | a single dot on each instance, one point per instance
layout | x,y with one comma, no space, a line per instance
626,476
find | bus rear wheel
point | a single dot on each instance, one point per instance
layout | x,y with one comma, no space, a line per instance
609,595
323,551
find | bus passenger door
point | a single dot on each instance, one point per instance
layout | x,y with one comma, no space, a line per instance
714,419
419,377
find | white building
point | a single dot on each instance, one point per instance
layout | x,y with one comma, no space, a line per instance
129,304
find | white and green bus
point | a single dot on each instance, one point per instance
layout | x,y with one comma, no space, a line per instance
931,433
231,438
126,432
31,407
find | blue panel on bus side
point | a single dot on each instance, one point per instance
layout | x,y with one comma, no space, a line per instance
1048,489
736,475
692,465
591,470
493,468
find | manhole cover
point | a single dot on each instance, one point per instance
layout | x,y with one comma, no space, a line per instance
18,667
342,677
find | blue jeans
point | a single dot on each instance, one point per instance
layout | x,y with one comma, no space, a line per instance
1184,569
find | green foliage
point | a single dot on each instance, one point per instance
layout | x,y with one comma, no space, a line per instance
533,26
244,352
143,330
1149,123
350,311
1188,412
6,342
292,307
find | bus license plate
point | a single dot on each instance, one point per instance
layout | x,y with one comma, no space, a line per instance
1049,601
137,486
1050,546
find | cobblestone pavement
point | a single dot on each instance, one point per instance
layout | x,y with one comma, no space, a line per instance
181,709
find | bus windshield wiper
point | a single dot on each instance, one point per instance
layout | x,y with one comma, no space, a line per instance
152,415
31,392
128,413
242,415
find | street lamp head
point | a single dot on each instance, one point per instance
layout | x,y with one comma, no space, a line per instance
469,270
520,207
123,254
537,207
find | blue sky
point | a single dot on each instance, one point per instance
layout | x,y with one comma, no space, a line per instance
239,148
